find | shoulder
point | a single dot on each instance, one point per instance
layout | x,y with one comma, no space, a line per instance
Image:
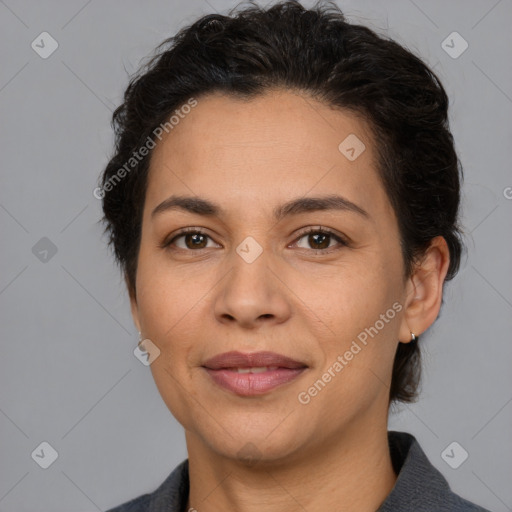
419,485
170,496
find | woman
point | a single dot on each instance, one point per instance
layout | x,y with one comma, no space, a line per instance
283,202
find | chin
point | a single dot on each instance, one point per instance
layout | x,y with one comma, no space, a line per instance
255,447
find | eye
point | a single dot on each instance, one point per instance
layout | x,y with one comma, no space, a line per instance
319,240
193,239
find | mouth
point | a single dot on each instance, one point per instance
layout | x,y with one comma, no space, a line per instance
254,373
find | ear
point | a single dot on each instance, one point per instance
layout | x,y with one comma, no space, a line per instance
133,304
424,290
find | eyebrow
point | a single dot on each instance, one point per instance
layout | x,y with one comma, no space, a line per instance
201,206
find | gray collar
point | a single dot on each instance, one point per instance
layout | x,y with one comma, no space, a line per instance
420,487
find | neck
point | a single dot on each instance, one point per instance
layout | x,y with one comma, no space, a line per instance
352,472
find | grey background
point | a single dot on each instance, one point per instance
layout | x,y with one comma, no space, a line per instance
67,371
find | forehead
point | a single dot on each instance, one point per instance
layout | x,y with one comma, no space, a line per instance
269,148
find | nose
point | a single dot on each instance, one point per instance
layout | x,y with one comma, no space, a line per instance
252,295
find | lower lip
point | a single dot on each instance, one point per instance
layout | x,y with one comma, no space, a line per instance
251,384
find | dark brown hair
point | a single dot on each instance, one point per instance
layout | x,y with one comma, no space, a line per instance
342,64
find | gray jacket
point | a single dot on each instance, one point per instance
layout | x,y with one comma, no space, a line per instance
420,487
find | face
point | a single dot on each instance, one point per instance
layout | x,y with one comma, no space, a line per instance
269,265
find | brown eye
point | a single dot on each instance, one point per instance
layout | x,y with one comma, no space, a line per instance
195,240
192,239
320,240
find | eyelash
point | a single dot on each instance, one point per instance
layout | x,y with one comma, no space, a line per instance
316,230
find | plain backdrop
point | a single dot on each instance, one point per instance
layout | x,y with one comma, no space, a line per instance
68,375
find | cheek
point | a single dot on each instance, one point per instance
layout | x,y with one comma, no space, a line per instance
167,298
359,322
348,298
168,309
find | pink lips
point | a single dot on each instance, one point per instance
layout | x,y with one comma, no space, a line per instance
259,373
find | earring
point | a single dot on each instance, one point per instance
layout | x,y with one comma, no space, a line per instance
140,336
413,336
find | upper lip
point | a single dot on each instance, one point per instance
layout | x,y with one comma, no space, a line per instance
251,360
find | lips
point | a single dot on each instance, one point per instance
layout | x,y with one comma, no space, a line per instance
254,360
253,373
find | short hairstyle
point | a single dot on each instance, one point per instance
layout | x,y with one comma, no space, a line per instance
343,65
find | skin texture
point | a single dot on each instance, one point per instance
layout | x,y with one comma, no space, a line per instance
250,157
